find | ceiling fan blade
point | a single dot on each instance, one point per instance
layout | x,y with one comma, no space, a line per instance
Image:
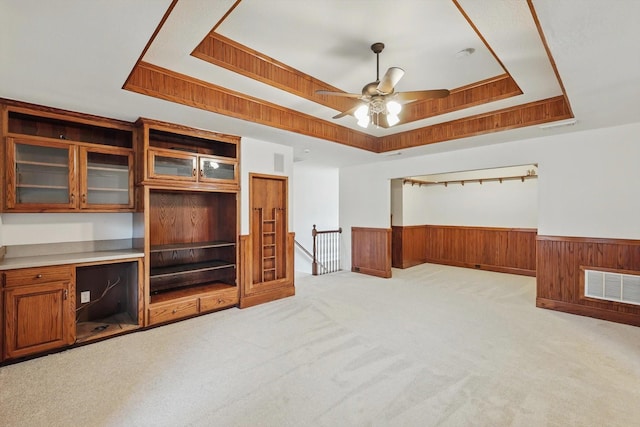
421,94
343,94
390,80
349,112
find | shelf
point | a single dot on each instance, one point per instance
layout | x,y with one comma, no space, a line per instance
190,291
53,165
49,187
187,246
108,169
124,190
98,329
189,268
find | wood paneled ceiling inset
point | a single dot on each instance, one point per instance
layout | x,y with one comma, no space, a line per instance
165,84
159,82
530,114
221,51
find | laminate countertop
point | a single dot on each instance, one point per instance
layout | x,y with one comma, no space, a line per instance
70,258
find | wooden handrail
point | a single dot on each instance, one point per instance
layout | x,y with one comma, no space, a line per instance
336,247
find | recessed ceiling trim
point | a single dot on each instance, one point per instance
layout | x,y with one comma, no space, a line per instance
158,82
224,52
165,84
530,114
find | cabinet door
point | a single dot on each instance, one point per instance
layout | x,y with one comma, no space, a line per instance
38,318
40,175
106,178
218,170
168,165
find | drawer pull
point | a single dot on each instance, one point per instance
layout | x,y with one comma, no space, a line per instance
39,276
174,311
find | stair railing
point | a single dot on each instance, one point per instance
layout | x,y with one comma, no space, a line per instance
326,251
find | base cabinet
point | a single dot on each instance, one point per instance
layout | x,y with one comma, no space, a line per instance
38,317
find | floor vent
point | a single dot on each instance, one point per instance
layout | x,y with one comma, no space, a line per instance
612,286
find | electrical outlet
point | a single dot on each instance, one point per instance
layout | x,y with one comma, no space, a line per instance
85,297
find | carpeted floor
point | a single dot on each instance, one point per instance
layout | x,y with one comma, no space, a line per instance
433,346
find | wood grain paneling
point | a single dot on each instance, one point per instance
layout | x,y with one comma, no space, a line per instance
560,281
507,250
221,51
409,246
165,84
161,83
533,113
371,251
258,293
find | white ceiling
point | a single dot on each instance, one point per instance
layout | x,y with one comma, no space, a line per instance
77,54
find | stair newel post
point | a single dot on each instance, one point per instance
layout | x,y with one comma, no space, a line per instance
314,264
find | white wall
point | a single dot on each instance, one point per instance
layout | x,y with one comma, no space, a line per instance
258,157
511,203
36,228
587,185
315,201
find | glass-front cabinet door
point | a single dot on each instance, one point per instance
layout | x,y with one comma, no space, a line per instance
216,169
40,175
106,179
172,165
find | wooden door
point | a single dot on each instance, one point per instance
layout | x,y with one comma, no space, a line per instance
37,318
268,204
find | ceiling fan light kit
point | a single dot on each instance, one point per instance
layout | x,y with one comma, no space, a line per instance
380,98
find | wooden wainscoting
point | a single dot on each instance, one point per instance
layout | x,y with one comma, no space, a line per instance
506,250
560,278
371,251
253,293
409,246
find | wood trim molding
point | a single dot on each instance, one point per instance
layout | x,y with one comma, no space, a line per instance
158,82
151,80
560,274
371,251
506,250
224,52
530,114
612,241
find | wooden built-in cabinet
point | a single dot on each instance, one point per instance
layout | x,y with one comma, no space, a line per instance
190,182
52,307
39,308
180,156
64,163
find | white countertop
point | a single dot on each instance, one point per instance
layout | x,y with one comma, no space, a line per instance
72,258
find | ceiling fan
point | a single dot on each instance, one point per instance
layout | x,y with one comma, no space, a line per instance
381,104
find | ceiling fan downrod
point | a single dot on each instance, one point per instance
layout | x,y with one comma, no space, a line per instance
377,48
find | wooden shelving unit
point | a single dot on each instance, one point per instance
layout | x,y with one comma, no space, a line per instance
191,220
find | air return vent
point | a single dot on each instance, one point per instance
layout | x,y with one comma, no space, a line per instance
612,286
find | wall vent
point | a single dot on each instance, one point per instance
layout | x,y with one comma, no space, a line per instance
278,162
612,286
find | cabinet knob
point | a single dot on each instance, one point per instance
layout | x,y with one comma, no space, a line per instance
38,276
174,311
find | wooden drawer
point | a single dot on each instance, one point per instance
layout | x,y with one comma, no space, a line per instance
34,276
220,299
159,313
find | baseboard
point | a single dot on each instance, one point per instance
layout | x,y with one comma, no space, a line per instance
496,268
371,272
583,310
263,297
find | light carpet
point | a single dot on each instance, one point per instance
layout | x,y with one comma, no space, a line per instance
433,346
